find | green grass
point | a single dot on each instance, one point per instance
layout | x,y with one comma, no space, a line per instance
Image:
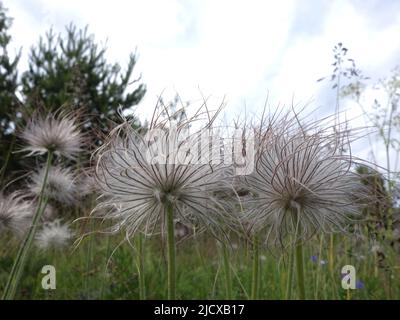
199,271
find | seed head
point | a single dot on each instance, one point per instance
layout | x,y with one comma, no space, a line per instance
54,235
303,184
138,190
15,213
60,185
58,133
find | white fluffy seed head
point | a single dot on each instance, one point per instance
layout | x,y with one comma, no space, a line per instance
303,184
58,133
137,191
54,235
60,186
15,213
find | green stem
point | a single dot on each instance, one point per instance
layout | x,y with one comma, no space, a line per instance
227,271
20,261
255,274
290,275
89,257
140,266
318,268
331,255
105,275
300,270
171,252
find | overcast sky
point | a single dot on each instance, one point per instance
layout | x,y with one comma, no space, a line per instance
241,49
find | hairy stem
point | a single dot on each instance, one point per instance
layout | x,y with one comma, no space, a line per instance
300,270
331,253
140,267
171,252
20,261
255,274
105,277
227,271
89,258
290,275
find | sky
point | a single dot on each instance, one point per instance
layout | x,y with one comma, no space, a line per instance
244,51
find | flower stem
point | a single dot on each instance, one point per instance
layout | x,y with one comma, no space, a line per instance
318,268
331,249
227,271
171,252
140,267
300,270
20,261
89,258
290,274
105,277
255,274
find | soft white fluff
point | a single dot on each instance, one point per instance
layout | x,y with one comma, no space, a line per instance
303,184
53,235
15,213
59,134
60,186
137,192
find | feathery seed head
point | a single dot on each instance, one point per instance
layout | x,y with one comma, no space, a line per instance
60,185
58,133
302,184
138,187
54,235
15,213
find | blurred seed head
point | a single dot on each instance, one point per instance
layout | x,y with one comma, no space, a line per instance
376,248
15,213
60,186
58,133
49,213
54,235
87,184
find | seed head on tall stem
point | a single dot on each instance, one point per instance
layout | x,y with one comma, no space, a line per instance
137,189
148,182
303,183
53,132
